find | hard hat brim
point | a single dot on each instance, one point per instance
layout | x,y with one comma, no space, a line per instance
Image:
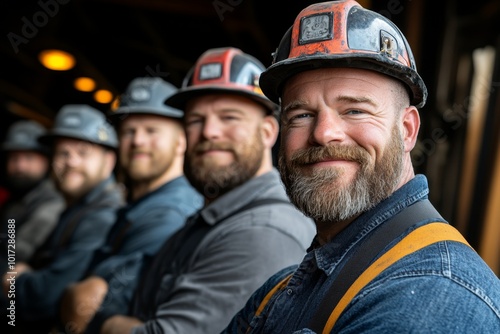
48,139
9,147
182,97
274,78
121,112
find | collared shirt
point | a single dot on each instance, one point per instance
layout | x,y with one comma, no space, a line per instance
235,257
443,288
140,230
70,252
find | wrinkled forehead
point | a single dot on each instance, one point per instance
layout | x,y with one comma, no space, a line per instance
347,78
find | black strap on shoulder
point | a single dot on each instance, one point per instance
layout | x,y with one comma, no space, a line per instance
369,250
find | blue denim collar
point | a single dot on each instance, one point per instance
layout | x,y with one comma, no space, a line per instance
331,254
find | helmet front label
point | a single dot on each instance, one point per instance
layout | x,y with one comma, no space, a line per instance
316,28
210,71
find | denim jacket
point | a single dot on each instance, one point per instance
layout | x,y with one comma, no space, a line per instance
141,228
38,291
443,288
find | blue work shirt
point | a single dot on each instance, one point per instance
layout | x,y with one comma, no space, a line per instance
70,252
443,288
140,230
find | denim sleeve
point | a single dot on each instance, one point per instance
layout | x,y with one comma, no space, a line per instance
122,271
144,237
38,292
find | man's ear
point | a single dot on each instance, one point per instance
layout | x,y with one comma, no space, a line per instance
270,130
181,143
411,126
110,160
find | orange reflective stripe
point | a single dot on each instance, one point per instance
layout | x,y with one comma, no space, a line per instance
416,240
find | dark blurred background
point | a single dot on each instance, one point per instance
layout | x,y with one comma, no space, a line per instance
455,43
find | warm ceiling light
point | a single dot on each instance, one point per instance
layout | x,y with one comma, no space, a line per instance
57,60
115,104
103,96
84,84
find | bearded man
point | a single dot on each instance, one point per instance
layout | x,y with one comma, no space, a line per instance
383,259
160,199
247,229
83,158
34,203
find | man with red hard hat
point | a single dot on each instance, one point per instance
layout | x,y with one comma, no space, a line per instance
383,259
247,229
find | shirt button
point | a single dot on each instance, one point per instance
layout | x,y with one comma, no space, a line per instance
289,292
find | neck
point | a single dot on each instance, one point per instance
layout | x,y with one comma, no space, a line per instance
143,187
267,164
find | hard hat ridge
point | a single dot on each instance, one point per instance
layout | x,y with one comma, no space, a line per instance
343,34
23,136
145,95
225,70
82,122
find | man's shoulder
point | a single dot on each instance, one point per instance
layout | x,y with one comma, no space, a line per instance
177,195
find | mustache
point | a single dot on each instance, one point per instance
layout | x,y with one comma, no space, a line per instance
208,145
133,152
333,152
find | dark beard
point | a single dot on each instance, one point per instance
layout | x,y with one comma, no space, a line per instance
213,181
314,193
20,185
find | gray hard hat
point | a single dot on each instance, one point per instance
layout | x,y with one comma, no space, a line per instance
82,122
23,136
146,96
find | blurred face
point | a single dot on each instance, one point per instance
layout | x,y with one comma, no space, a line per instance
345,141
224,142
25,169
148,146
79,166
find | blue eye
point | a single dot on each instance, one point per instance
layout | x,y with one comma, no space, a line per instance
300,116
192,121
354,112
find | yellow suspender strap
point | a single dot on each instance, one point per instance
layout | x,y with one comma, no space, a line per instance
416,240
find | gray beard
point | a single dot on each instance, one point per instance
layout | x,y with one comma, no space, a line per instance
316,195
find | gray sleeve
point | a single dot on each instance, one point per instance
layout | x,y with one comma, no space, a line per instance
37,228
229,267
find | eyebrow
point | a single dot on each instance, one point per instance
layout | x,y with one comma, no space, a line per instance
293,105
355,99
342,98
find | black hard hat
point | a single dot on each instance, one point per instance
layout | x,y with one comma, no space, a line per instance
223,70
146,96
343,34
23,136
82,122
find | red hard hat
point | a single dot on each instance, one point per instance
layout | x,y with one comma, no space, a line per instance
223,70
343,34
